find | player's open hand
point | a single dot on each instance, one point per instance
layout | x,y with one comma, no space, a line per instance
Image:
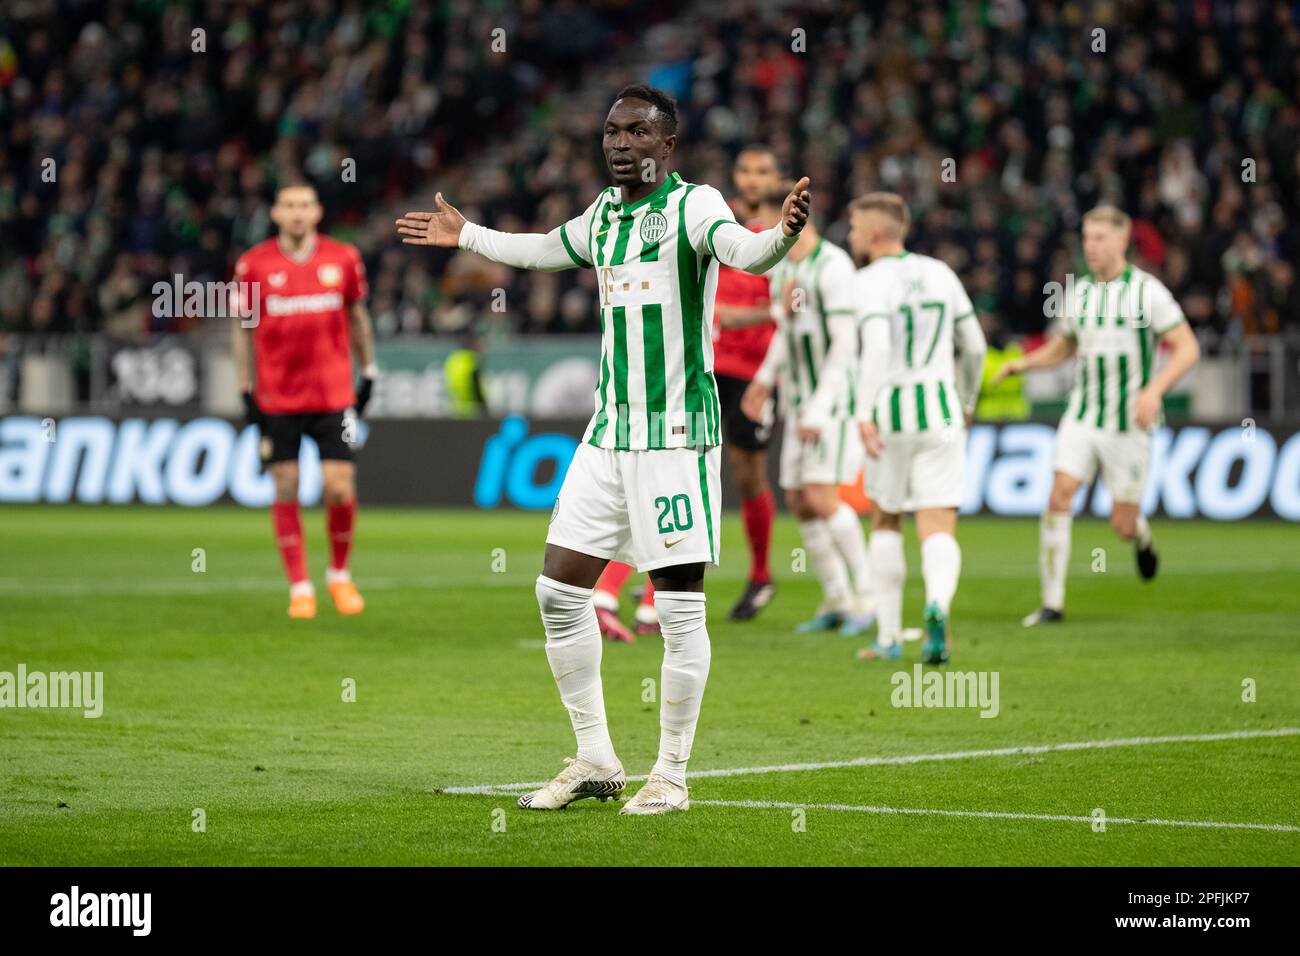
754,402
871,440
794,211
440,228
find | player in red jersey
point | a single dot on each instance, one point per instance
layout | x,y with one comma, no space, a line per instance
306,295
741,332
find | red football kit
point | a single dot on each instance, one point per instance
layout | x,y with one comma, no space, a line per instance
739,352
301,343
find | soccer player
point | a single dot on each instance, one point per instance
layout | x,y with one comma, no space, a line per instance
1112,318
743,329
815,351
915,404
643,485
307,292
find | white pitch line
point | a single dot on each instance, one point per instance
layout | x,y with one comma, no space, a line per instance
490,789
993,815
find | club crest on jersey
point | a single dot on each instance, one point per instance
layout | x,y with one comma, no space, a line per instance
653,226
329,274
276,279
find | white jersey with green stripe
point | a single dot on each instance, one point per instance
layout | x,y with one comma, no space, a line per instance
922,300
824,284
656,274
1114,325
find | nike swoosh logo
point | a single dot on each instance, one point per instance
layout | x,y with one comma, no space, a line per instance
669,544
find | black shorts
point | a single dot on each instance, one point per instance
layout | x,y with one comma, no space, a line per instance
737,429
282,434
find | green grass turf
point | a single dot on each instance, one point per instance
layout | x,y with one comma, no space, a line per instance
215,700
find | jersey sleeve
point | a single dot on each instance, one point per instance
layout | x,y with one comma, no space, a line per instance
959,302
706,211
241,293
1161,309
355,288
871,296
835,287
576,236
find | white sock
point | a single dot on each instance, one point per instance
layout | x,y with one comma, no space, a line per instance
1143,531
681,684
604,600
846,530
826,561
888,569
573,648
1054,557
300,588
940,567
335,575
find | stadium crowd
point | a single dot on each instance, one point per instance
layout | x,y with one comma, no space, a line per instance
128,154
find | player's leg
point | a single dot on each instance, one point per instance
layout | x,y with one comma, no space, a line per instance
832,461
1124,469
606,596
339,491
1075,464
746,448
940,568
843,533
888,572
586,531
826,561
283,434
673,501
887,484
647,617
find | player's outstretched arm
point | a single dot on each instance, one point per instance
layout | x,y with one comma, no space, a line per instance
448,229
1057,349
756,252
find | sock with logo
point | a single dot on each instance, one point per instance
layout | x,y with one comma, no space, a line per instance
1143,534
846,531
687,653
826,561
758,513
1054,557
573,649
339,520
287,521
888,569
941,569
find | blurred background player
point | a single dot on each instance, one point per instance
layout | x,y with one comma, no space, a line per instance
606,598
915,403
815,353
741,333
294,365
1112,318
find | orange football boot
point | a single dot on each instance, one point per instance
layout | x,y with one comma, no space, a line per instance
346,597
302,605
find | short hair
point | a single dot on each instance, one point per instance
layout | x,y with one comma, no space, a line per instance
890,204
1112,214
759,148
296,182
661,101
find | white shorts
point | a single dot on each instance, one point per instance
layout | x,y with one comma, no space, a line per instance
919,470
649,509
1122,456
834,459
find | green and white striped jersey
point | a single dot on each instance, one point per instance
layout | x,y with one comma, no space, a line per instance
656,274
1115,325
922,300
824,284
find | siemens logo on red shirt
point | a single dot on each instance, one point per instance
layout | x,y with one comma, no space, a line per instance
300,304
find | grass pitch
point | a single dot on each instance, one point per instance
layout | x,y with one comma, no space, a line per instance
215,701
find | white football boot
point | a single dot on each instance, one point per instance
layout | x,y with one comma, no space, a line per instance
659,795
577,780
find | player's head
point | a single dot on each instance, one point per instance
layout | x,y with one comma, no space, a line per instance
1106,231
297,210
640,133
755,174
878,225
